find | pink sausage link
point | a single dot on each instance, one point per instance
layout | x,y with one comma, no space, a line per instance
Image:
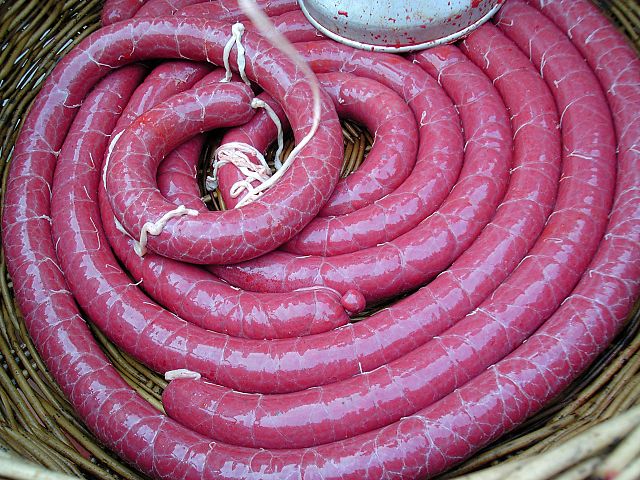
187,291
516,387
413,258
232,235
229,10
71,80
165,80
295,26
52,317
388,164
436,168
193,348
203,300
439,158
392,155
111,409
269,367
146,328
589,318
316,235
416,446
176,176
492,331
258,132
297,379
159,8
410,322
219,10
118,10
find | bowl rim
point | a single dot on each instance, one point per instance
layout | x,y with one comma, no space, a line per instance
400,48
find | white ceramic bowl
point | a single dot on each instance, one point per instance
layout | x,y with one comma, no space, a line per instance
397,25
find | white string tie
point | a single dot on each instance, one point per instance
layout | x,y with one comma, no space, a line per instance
181,373
155,228
258,103
112,145
149,228
236,39
236,153
279,41
121,229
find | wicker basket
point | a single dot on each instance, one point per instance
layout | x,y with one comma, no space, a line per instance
38,425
